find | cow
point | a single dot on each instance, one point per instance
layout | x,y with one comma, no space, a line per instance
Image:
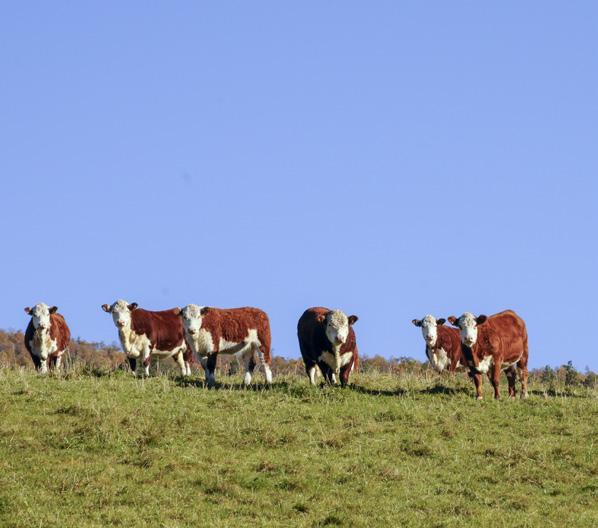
327,341
443,344
145,334
491,345
47,337
241,331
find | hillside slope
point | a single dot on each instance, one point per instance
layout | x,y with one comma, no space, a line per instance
113,450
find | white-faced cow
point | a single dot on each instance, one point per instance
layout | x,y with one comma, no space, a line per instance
327,341
493,344
242,331
145,334
443,344
47,336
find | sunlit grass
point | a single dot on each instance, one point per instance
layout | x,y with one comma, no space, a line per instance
415,450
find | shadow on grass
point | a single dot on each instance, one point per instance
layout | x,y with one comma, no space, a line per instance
552,393
256,387
441,389
377,392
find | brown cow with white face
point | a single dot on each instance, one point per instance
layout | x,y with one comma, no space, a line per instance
443,345
242,331
493,344
145,334
47,336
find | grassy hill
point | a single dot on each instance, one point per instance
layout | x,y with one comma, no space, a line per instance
413,450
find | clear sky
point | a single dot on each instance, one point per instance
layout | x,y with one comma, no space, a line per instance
392,159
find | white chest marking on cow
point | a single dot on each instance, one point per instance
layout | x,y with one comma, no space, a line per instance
42,345
485,364
439,360
202,343
132,343
330,359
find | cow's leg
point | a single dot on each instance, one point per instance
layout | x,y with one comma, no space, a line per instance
310,369
180,359
188,358
203,361
132,365
522,367
511,374
147,360
43,365
57,363
259,350
210,368
478,382
37,362
344,374
249,358
327,372
496,370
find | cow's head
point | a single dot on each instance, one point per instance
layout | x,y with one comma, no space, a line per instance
337,326
192,316
40,315
121,312
468,327
429,325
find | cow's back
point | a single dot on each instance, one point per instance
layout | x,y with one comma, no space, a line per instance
449,339
164,328
59,331
312,332
507,329
234,324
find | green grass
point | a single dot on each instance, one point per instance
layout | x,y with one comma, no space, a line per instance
409,451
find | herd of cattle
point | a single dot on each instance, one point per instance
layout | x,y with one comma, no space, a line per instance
483,345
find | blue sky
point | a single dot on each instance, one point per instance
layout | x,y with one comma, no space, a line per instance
392,159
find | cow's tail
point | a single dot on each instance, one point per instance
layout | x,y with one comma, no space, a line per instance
263,334
264,350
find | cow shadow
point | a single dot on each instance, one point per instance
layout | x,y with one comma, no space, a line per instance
552,393
226,386
442,389
377,392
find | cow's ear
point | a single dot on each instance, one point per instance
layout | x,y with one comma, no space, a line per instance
416,322
106,308
54,309
132,306
353,319
480,319
204,310
440,321
177,311
320,318
27,310
453,320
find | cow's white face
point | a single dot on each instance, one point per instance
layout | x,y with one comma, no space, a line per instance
337,326
121,313
468,327
40,315
192,315
429,325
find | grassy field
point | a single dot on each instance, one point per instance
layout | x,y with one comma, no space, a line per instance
80,450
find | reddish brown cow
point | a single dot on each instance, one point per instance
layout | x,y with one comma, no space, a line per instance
144,334
327,341
493,344
242,331
443,344
47,336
